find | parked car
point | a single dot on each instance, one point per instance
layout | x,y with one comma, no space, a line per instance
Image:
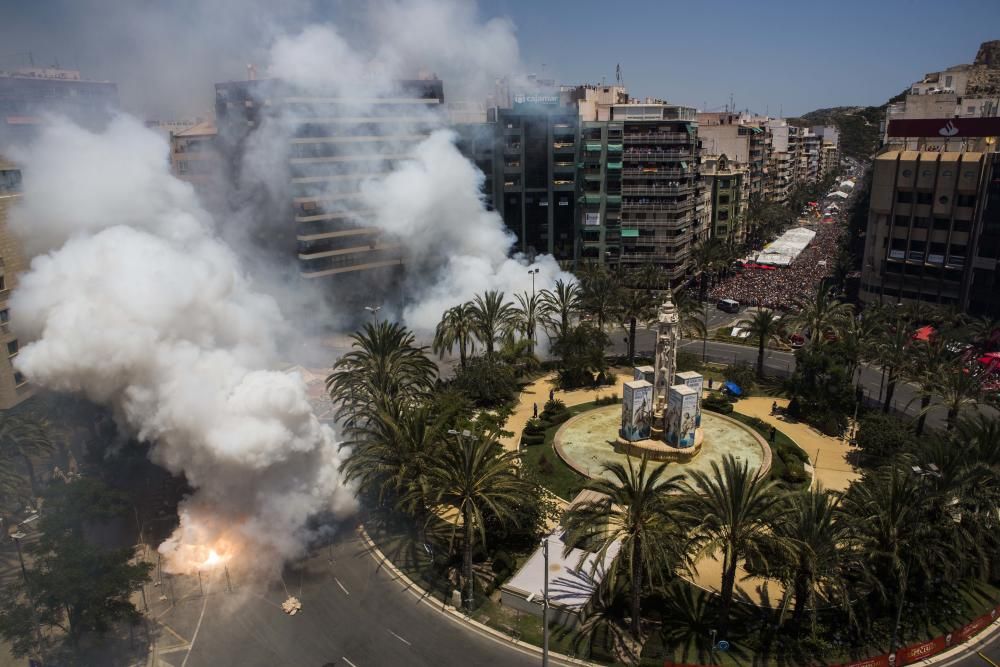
728,305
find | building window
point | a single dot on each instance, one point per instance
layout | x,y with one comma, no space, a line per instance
924,198
966,200
900,221
921,223
12,348
3,282
961,225
4,316
904,197
723,199
941,223
19,378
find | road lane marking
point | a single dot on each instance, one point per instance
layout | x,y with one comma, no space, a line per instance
399,638
201,617
983,656
348,661
341,588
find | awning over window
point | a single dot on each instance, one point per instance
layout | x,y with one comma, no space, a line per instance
591,199
614,165
615,148
630,233
593,148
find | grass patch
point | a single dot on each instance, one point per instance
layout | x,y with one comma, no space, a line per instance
787,460
551,471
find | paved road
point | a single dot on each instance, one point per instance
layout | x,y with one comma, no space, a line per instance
353,613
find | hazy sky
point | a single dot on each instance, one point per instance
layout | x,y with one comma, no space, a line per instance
772,56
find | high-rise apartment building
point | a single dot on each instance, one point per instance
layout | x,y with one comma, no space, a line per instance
194,156
333,141
744,139
535,164
727,185
933,231
14,387
26,94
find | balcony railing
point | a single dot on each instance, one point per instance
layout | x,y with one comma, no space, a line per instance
655,172
656,156
657,191
650,205
658,138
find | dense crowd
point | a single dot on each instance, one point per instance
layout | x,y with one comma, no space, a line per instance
781,287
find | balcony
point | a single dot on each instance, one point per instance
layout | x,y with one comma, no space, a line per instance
632,204
657,191
659,138
512,149
656,172
649,155
563,146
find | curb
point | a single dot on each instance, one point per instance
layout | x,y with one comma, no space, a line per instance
965,650
458,617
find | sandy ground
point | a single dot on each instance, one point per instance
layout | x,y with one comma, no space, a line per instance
826,454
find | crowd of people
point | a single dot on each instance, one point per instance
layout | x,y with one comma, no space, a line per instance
781,287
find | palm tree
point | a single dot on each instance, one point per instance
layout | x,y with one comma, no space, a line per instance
813,532
492,318
648,277
707,256
636,306
859,335
474,475
690,315
26,436
958,388
984,332
732,511
886,519
528,315
765,327
891,351
517,353
686,621
822,315
384,365
455,330
560,307
391,453
924,366
630,512
599,295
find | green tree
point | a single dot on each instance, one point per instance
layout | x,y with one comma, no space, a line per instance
924,365
391,454
384,365
731,512
26,437
581,354
959,387
475,475
822,315
493,318
764,327
600,293
487,381
636,307
528,316
561,305
882,437
456,329
74,584
630,512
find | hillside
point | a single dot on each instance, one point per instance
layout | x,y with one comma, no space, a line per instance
859,126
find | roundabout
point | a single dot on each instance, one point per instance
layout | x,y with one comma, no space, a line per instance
583,443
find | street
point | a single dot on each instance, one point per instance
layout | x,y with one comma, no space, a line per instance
353,614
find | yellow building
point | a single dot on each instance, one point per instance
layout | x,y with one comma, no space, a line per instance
14,387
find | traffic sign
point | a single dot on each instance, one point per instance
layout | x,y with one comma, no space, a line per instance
723,645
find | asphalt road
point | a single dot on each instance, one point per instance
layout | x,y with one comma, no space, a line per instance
353,614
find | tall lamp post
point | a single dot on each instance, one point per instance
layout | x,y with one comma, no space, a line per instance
545,603
373,309
533,273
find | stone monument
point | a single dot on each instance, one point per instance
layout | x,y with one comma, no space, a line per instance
661,408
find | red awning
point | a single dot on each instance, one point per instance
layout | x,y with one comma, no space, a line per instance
924,333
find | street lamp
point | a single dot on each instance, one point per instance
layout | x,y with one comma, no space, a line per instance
533,272
373,309
17,536
545,603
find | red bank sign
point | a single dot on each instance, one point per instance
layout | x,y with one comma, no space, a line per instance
944,128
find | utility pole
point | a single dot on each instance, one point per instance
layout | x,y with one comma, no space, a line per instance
545,604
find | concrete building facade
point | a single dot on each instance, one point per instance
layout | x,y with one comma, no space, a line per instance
727,187
14,387
26,94
933,231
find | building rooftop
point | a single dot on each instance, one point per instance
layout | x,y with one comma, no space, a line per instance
203,129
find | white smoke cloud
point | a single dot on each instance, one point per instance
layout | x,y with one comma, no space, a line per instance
136,304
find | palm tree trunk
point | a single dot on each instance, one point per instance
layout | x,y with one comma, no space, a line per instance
890,389
951,418
925,402
461,350
801,592
631,340
31,476
467,519
728,583
636,590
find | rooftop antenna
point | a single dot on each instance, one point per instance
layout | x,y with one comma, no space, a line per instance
732,107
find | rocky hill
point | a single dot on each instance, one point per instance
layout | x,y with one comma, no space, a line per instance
859,126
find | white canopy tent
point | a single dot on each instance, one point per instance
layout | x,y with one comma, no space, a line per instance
849,185
842,195
784,249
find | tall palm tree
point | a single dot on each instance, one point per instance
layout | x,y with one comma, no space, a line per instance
959,387
26,437
690,315
561,305
528,315
887,524
891,350
390,454
631,512
600,292
859,336
924,365
636,306
384,365
813,532
647,276
822,315
474,475
732,511
456,329
707,256
765,327
492,318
